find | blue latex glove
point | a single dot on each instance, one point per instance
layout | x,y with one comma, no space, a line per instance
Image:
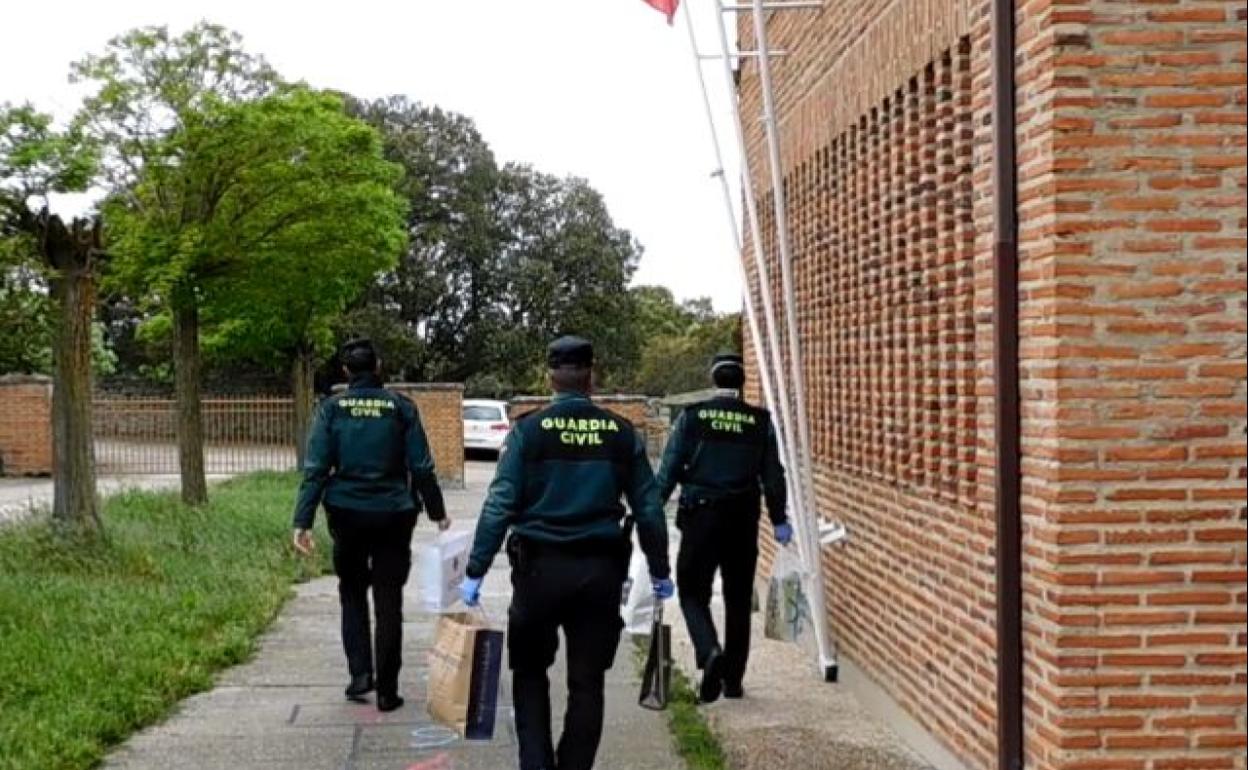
470,591
784,533
664,588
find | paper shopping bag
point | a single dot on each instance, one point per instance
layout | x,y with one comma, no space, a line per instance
440,569
465,664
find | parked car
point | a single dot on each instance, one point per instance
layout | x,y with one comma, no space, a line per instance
485,425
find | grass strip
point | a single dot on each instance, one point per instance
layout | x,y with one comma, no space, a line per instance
100,636
695,741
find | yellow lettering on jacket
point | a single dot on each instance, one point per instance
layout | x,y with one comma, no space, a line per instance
726,420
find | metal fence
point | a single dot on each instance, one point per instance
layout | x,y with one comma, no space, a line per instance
139,435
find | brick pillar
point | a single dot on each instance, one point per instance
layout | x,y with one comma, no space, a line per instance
1132,176
25,425
442,413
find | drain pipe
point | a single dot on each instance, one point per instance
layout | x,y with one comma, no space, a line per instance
1006,396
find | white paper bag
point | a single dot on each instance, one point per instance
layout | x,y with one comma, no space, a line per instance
440,569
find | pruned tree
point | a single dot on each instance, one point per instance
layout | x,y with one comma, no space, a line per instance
35,161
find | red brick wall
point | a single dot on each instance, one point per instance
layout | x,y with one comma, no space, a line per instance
1133,224
25,426
442,414
879,143
1131,153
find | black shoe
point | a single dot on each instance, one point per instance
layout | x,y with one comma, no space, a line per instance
712,678
389,702
360,686
734,690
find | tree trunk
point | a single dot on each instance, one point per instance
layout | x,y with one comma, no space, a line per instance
70,255
187,366
302,385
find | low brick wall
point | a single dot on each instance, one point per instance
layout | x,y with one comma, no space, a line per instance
25,425
441,408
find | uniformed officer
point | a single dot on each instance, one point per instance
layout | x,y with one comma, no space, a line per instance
558,487
721,452
368,460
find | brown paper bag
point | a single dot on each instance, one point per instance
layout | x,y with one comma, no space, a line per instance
465,664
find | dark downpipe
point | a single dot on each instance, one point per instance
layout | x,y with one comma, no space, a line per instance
1005,366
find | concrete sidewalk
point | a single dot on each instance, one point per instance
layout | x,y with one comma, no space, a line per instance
285,710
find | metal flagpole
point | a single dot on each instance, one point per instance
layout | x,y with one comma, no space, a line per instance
769,354
810,532
807,521
767,370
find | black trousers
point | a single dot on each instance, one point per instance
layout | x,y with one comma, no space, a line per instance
373,549
718,536
579,593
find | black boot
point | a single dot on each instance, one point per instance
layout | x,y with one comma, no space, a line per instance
389,702
712,678
360,686
734,690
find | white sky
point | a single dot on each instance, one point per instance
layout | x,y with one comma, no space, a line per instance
602,89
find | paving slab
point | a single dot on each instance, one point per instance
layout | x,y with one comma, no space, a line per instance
790,719
285,709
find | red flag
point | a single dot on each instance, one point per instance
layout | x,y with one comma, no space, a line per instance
667,7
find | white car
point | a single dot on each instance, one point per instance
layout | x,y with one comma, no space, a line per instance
485,425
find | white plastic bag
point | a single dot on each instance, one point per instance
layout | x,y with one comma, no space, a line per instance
440,569
638,605
787,617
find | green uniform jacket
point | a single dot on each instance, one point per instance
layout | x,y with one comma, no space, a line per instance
560,478
367,452
724,448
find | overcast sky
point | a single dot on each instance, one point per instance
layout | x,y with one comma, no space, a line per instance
602,89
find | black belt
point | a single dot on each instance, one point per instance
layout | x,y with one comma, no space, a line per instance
727,499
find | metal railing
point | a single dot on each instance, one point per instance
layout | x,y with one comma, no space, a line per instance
139,435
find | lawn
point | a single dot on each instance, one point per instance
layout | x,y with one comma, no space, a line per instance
100,637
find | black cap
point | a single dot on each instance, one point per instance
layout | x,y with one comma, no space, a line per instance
358,355
354,344
570,351
727,359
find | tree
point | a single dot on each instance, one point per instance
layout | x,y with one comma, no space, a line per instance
498,261
36,161
679,340
155,97
310,234
443,291
568,270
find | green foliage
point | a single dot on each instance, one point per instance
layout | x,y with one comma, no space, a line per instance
25,310
147,85
680,341
27,317
499,261
311,220
105,635
154,105
36,159
263,204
